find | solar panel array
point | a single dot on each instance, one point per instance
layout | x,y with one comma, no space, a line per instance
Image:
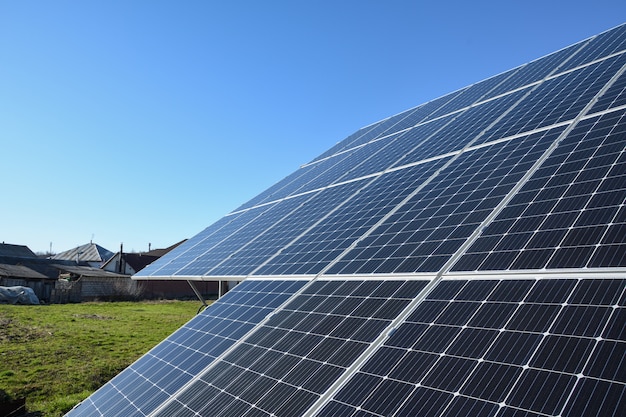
464,257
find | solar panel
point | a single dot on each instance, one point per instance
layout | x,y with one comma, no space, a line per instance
320,332
570,214
497,346
464,257
157,375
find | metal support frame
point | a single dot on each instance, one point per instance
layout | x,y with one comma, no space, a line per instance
199,295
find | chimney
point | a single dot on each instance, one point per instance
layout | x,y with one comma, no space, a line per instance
120,266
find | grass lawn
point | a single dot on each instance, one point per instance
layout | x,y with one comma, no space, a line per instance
56,355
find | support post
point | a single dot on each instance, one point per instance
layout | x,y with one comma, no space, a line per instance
200,297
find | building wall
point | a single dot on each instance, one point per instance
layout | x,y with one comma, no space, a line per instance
108,288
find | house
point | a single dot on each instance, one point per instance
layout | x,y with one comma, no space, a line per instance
91,272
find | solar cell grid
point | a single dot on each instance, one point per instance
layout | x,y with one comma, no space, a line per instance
422,113
445,105
429,228
558,99
604,44
261,245
382,128
535,71
240,235
461,130
287,186
406,119
498,367
352,158
469,96
399,146
186,252
388,151
327,240
345,143
550,222
614,97
157,375
323,173
306,331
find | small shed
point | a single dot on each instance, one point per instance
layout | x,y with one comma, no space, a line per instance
96,283
19,266
23,276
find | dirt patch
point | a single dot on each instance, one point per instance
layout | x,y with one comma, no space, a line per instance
10,331
92,317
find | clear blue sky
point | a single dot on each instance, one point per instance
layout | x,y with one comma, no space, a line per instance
145,121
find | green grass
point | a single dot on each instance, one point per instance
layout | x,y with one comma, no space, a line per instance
56,355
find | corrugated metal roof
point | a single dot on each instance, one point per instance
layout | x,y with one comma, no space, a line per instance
89,252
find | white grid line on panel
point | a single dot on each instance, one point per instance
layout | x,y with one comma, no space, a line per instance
430,179
376,345
229,350
524,368
476,234
479,102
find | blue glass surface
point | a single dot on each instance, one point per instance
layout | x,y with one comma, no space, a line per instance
300,351
153,378
499,366
569,213
428,229
323,243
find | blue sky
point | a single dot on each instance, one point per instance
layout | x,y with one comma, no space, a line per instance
142,122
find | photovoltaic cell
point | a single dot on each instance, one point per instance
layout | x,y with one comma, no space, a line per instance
604,44
614,97
469,96
398,146
387,126
216,250
308,178
152,379
315,250
322,330
180,256
260,245
502,366
459,132
347,142
558,99
429,228
571,212
535,71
